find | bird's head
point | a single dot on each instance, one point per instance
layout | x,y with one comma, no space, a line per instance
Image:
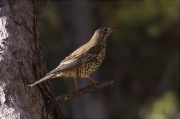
104,32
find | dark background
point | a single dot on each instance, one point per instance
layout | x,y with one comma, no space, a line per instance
142,56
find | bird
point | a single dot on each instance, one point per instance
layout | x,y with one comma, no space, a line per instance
84,60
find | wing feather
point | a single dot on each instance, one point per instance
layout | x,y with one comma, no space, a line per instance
75,60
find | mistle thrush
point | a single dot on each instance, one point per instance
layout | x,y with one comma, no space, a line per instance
83,61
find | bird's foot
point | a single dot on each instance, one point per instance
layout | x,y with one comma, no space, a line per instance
77,90
95,83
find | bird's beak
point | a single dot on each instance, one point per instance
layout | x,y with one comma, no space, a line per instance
114,28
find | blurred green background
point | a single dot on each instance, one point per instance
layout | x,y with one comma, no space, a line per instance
142,56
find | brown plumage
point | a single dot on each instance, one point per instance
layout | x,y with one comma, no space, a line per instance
83,61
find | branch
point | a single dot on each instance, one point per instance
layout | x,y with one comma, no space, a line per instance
82,91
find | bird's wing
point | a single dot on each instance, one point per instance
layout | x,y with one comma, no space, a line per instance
75,60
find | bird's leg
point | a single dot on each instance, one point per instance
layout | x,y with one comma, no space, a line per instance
77,88
94,81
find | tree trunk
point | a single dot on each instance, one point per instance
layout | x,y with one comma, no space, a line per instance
21,63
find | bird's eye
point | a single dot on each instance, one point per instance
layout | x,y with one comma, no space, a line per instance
105,29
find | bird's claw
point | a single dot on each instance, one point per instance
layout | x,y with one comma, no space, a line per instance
77,90
95,83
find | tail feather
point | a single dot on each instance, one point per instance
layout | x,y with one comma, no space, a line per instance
41,80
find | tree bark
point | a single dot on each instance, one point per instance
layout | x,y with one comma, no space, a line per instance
21,63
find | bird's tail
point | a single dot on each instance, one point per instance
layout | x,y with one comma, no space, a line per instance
41,80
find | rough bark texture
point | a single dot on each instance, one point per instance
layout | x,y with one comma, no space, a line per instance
21,63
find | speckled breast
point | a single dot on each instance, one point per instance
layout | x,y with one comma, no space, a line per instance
89,67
